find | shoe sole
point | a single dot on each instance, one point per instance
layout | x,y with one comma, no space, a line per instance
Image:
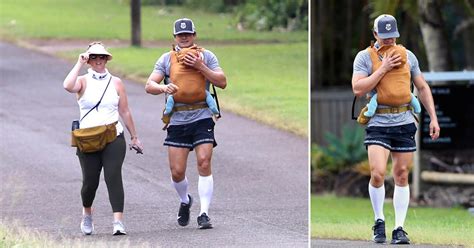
400,242
86,233
205,226
119,233
190,205
379,240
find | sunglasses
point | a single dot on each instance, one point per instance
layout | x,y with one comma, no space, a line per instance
94,56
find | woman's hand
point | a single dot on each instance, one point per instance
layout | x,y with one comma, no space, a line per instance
83,58
136,145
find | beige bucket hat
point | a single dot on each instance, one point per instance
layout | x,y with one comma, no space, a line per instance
99,49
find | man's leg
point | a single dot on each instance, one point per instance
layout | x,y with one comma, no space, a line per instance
178,157
206,182
378,157
401,195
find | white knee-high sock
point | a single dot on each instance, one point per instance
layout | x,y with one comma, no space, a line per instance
205,188
182,189
377,198
401,200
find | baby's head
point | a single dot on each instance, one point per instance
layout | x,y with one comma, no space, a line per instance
394,50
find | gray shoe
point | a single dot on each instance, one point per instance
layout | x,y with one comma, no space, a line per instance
87,226
119,228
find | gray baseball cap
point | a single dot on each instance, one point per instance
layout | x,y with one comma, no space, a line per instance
386,26
183,25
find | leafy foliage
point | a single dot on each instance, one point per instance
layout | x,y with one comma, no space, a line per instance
341,152
273,15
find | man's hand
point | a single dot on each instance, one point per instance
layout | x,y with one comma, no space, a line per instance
194,61
434,130
170,88
390,61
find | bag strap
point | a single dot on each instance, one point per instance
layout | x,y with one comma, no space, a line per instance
353,105
98,103
214,94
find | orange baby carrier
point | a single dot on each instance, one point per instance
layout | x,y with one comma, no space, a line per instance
191,82
394,87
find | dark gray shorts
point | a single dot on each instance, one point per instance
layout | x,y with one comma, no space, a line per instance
191,135
396,139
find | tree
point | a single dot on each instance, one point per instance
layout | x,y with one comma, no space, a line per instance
136,22
435,39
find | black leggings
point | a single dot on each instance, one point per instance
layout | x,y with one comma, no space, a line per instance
111,158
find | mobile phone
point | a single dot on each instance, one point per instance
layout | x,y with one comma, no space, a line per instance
136,148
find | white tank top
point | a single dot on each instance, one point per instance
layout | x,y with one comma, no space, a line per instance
107,112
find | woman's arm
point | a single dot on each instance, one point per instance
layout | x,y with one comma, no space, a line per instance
125,113
72,83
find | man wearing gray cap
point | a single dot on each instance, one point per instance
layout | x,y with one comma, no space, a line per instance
391,131
188,71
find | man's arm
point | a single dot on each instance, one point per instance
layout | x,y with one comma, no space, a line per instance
424,93
362,84
216,77
154,87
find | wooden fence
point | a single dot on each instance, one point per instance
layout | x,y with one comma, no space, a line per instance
330,111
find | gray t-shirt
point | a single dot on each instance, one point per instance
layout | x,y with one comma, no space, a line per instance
363,66
162,66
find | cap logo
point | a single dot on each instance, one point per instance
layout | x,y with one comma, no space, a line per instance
388,26
183,25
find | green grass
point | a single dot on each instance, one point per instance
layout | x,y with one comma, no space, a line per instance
13,234
351,218
110,19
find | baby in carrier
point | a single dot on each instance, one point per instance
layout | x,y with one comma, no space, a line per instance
191,82
394,88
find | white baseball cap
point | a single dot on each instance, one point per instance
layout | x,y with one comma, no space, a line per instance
386,26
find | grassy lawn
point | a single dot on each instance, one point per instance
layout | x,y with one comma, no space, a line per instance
267,71
352,218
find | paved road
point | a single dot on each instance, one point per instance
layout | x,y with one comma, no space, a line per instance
326,243
261,174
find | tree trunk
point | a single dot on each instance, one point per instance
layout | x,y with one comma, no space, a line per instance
434,37
346,64
317,25
136,22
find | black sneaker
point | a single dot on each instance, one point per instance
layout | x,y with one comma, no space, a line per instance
204,222
379,231
183,214
399,237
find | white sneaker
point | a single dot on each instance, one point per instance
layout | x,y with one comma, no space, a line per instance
119,228
87,226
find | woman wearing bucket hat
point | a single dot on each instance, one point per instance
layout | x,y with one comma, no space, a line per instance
391,131
105,94
191,126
